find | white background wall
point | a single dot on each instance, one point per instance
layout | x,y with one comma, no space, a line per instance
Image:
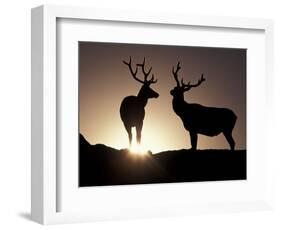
15,114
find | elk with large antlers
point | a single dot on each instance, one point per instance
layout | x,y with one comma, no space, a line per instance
198,119
132,107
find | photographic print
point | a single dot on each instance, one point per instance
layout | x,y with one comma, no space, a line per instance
161,114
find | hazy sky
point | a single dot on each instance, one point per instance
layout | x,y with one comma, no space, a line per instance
105,80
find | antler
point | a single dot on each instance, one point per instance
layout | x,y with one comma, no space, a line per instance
188,86
146,74
134,74
175,73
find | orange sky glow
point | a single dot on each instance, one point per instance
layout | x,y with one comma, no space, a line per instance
104,81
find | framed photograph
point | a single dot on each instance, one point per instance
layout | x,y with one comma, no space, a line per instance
148,114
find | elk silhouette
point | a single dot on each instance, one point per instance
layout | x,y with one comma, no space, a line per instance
199,119
132,110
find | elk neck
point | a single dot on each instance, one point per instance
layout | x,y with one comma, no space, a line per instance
178,104
142,98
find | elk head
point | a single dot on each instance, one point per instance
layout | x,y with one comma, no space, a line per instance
145,91
181,87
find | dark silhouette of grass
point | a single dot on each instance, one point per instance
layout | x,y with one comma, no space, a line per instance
103,165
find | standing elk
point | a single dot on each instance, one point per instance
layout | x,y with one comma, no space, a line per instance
132,110
198,119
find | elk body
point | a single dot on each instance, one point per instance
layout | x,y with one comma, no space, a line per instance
198,119
132,109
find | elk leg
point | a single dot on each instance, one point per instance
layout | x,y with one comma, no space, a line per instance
138,131
193,139
230,140
129,131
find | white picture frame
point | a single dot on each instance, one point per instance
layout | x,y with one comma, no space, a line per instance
45,163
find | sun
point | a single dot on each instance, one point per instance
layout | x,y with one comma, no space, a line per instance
138,149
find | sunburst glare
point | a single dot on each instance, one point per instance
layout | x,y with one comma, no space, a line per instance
138,149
